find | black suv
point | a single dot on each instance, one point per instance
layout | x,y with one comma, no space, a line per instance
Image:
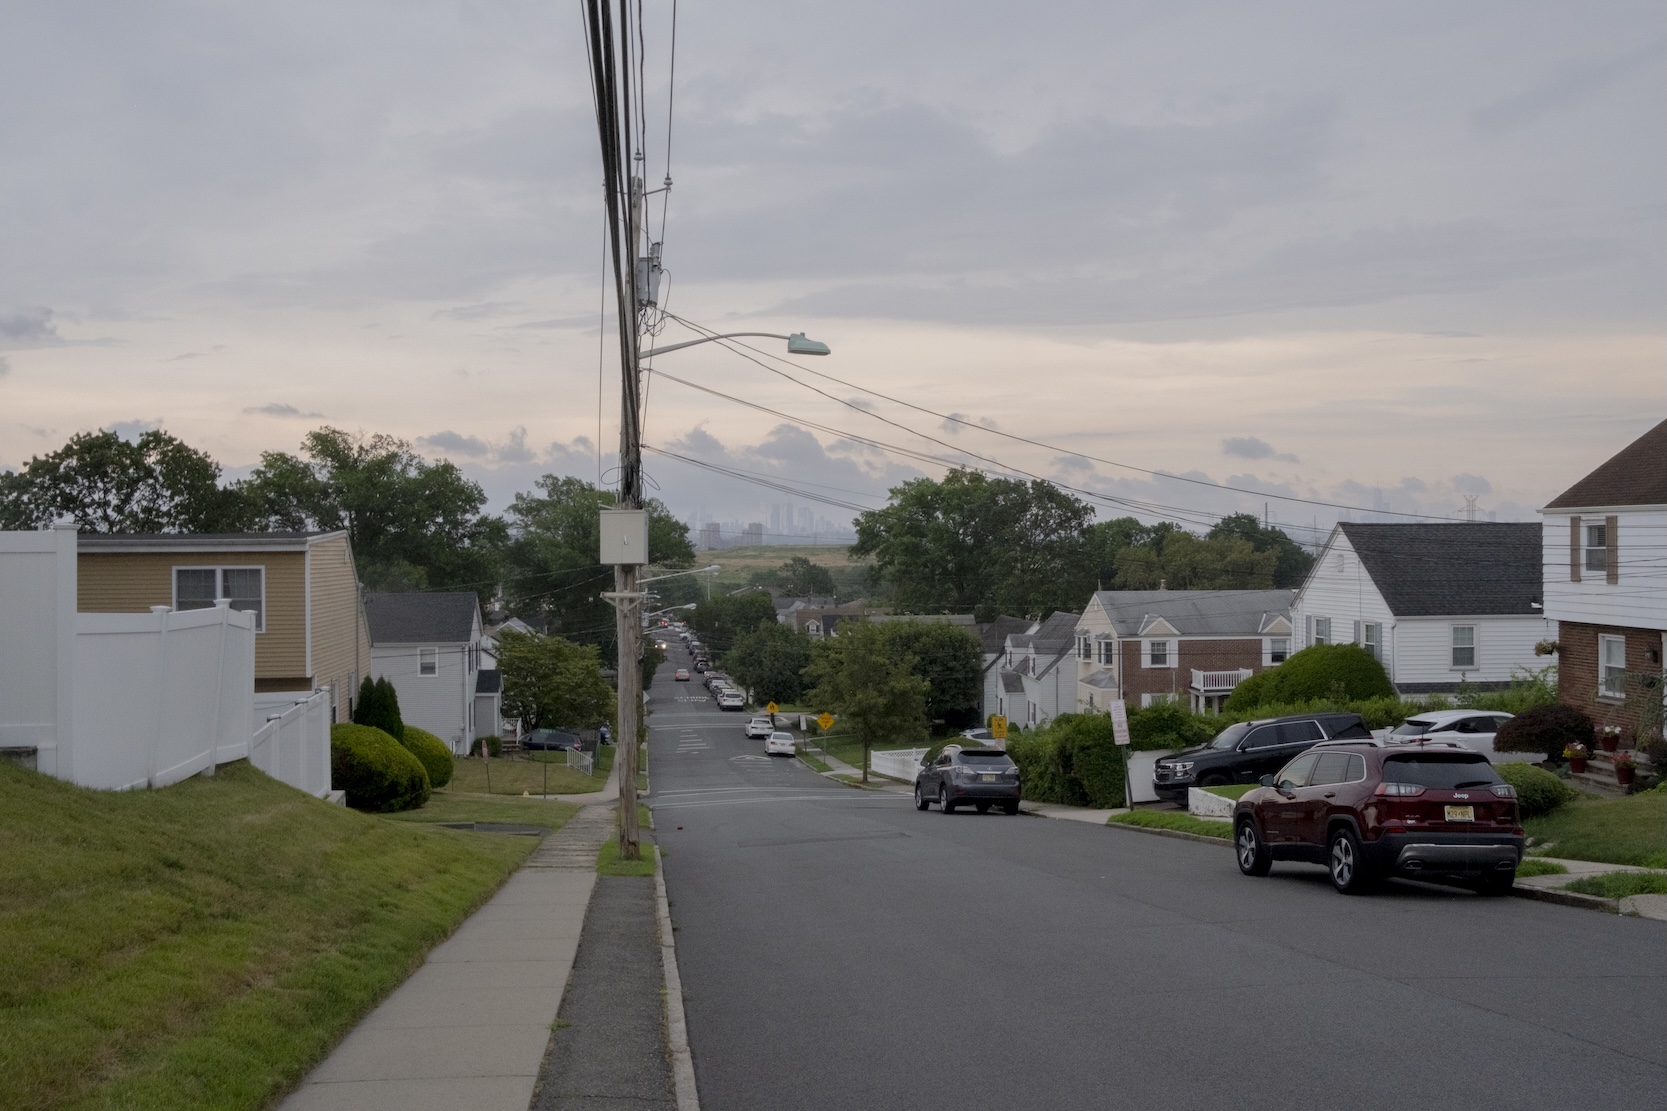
1245,752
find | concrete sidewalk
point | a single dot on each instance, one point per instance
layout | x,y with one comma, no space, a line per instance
469,1029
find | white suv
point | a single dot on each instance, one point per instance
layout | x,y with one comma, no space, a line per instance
760,727
731,699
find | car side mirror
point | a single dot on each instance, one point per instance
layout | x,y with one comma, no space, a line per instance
1267,781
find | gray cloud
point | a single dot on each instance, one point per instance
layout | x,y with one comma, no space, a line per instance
1251,447
28,327
133,429
486,310
5,366
279,409
1568,85
1472,484
455,444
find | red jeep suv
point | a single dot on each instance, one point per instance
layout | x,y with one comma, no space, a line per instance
1366,810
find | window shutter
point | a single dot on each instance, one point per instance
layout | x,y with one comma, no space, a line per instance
1574,549
1357,638
1612,557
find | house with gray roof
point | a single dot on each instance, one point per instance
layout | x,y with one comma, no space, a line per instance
1192,646
1438,604
428,645
1037,680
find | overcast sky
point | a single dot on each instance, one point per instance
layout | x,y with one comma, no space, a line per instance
1378,254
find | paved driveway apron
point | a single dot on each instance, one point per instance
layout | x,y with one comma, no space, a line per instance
842,950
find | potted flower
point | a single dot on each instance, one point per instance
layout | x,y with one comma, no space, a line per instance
1576,754
1609,737
1625,767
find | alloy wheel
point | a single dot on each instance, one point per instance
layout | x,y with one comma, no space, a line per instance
1342,862
1247,847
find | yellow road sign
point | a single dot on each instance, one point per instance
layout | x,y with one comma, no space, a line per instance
825,721
998,727
770,709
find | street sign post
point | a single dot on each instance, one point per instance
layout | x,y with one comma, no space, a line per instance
998,727
770,709
825,721
1120,734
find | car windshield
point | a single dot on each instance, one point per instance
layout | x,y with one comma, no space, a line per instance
1231,736
985,759
1412,727
1442,772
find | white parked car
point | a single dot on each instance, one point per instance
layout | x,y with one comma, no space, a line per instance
1474,729
760,727
731,699
779,744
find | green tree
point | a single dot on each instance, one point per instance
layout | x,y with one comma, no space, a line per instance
798,577
723,620
949,658
553,568
549,682
974,544
770,661
414,525
378,706
1340,672
156,483
1291,560
877,697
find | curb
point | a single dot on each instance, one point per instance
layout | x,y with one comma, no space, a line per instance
677,1027
1176,833
1567,898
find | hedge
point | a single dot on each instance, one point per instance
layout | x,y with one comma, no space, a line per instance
1338,671
378,774
1074,759
1546,730
432,752
1538,791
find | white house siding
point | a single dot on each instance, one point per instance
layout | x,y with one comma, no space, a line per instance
1423,648
1340,588
1638,599
440,703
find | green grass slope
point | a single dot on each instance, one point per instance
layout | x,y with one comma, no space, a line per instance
204,945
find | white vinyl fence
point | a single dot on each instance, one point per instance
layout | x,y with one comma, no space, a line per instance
293,744
900,763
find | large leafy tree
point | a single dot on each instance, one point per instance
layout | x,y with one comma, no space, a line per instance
156,483
551,682
949,658
552,566
798,577
414,524
770,661
876,695
1291,560
724,620
971,543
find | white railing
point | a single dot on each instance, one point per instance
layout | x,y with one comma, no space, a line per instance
1213,681
293,745
581,760
900,763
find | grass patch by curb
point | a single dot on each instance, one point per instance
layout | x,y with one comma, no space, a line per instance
1531,867
1630,830
609,864
1234,791
1169,819
205,945
511,775
1618,885
814,764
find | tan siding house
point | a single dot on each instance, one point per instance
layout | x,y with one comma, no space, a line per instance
310,630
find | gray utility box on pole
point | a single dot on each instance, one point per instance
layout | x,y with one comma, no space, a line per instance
624,537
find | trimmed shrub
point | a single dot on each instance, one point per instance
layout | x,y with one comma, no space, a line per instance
378,707
1169,725
494,746
1074,759
1546,730
376,771
432,751
1345,672
1538,791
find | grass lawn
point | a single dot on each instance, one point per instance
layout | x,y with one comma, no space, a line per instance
609,864
815,764
204,945
1618,885
1173,819
512,775
445,807
1234,791
1531,867
1631,830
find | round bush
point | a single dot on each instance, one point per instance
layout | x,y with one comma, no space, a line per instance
1545,729
1538,791
376,772
432,751
1341,672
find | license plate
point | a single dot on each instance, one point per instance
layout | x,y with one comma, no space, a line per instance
1461,813
986,778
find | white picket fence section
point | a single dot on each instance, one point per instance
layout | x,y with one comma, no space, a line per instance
900,763
580,760
293,745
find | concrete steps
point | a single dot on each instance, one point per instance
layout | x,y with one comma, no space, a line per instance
1599,776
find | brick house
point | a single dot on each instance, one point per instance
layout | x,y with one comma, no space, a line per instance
1606,582
1148,646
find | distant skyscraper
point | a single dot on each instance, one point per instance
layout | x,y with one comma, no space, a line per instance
807,521
753,535
711,536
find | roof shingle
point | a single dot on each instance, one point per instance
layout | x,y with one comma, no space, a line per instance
1635,475
1436,570
439,617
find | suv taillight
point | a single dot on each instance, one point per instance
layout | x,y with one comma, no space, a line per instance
1397,790
1504,790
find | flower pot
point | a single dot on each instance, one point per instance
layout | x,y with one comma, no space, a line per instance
1577,764
1609,742
1624,773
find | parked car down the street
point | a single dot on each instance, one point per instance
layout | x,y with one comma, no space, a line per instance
760,726
983,777
1474,729
779,744
551,740
1367,810
682,675
731,699
1245,752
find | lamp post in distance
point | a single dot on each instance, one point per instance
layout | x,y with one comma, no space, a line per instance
797,344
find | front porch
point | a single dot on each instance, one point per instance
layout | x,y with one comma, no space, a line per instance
1210,689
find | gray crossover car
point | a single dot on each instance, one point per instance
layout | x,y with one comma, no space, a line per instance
981,777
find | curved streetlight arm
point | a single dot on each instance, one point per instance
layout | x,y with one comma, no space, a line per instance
714,568
797,344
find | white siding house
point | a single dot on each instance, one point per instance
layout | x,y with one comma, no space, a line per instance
428,645
1038,673
1437,604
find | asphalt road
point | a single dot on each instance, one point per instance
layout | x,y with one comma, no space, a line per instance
840,949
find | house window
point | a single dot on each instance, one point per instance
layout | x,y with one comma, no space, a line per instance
1278,649
428,661
1159,653
1464,646
1084,649
1611,667
1155,699
1107,650
1322,630
1597,547
196,588
1371,639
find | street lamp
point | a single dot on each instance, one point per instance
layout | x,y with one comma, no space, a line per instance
797,344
